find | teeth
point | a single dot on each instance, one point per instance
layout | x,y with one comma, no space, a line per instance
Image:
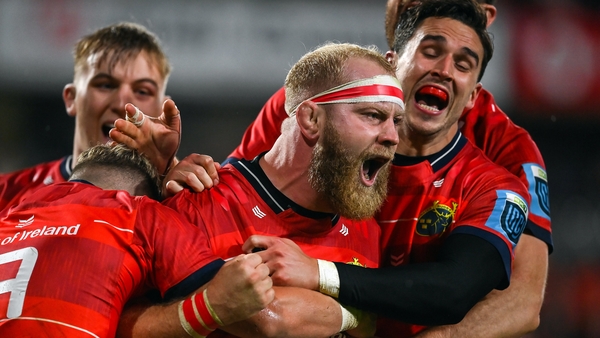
366,171
424,106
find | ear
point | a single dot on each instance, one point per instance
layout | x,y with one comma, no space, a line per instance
471,103
69,93
392,58
308,117
490,11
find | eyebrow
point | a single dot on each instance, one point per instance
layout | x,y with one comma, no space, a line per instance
110,77
441,39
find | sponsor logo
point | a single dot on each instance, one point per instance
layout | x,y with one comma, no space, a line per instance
439,183
435,219
344,230
62,230
514,216
258,213
25,222
48,180
541,188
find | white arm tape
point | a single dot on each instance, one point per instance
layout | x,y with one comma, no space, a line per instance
329,279
350,318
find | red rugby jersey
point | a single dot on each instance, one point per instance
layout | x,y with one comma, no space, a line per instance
17,185
457,190
485,125
73,254
246,203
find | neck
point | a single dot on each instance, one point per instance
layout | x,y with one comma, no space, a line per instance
286,165
413,143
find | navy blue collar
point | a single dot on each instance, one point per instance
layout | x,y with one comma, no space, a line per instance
276,200
437,160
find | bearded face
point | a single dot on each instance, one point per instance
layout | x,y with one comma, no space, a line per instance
340,174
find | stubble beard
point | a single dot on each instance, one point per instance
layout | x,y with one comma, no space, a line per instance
334,172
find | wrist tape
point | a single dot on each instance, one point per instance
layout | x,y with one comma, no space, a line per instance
197,317
329,279
350,318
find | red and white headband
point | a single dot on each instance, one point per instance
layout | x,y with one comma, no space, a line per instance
381,88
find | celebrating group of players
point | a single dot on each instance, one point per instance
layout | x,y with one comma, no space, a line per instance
374,194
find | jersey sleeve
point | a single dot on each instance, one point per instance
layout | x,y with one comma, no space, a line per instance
264,130
511,147
178,254
497,212
426,293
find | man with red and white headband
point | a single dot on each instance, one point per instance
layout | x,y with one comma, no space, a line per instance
318,186
452,218
451,213
514,311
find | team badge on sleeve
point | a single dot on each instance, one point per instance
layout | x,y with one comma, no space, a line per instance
538,189
509,216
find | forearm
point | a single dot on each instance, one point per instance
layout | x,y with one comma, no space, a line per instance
294,312
298,312
435,293
512,312
139,319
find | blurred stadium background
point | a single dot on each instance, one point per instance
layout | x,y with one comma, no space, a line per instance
230,56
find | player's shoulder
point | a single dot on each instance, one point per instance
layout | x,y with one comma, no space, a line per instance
475,159
485,107
489,172
34,172
232,185
486,114
274,108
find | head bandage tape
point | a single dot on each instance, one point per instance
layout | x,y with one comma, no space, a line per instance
381,88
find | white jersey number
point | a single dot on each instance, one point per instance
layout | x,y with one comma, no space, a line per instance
18,285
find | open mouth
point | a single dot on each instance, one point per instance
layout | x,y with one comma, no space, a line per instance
106,128
432,98
371,167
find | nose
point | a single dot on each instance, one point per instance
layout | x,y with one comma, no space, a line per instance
123,95
389,133
443,68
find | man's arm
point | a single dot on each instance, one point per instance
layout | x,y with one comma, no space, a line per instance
433,293
512,312
240,289
294,312
302,313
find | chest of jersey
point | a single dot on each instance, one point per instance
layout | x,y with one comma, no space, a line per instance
424,206
47,277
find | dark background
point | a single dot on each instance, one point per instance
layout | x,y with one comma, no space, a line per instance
229,57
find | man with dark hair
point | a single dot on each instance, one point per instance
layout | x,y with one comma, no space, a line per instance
73,253
511,312
516,310
452,218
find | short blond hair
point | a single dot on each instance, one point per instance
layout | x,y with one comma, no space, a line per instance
118,164
120,42
325,68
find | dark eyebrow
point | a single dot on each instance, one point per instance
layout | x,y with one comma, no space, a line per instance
441,39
